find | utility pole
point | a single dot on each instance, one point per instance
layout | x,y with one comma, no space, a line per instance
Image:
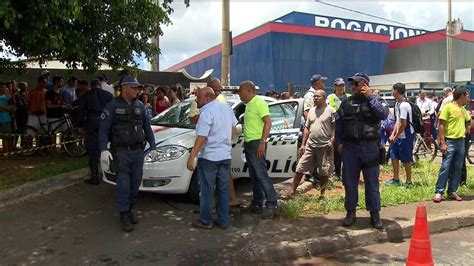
225,62
155,62
449,46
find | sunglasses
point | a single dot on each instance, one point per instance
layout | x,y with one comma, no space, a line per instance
354,83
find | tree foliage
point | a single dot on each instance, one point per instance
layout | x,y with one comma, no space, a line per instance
80,32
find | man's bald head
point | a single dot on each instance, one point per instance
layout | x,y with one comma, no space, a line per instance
320,98
248,85
321,93
247,90
205,95
215,84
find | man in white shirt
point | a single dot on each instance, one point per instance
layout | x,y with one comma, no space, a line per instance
427,108
402,137
214,131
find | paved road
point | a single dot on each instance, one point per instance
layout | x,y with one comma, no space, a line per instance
78,225
453,248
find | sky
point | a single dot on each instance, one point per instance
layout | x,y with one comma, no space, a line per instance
198,27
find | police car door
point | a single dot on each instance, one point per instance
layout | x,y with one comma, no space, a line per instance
282,145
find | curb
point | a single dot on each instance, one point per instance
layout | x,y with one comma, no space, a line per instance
43,186
394,232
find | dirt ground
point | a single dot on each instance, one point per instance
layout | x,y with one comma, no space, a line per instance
338,189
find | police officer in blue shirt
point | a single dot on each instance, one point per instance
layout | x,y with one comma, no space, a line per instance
125,125
358,137
91,106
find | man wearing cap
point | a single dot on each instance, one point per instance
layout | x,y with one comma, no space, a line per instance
317,83
334,100
104,85
358,137
125,125
91,106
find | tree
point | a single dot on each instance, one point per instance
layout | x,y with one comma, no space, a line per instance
80,32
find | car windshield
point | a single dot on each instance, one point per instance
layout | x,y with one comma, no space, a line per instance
175,116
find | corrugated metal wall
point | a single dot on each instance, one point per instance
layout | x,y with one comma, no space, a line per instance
275,59
429,56
297,57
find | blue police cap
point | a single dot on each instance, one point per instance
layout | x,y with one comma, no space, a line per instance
317,77
359,77
130,81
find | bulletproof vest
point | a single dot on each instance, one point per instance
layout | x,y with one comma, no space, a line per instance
127,129
360,123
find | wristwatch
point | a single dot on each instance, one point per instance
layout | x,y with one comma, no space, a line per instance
264,140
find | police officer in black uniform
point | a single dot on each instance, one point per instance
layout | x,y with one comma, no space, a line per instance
125,125
91,106
358,138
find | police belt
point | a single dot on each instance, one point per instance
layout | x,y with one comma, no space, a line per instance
364,143
138,146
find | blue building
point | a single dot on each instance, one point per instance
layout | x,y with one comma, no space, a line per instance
294,47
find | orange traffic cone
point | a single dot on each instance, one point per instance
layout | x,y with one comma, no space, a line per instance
420,244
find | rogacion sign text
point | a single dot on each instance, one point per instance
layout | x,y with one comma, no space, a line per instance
369,27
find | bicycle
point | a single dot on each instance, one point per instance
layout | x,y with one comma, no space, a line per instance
470,152
71,141
424,149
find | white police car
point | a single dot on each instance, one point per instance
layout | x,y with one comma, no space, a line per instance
165,169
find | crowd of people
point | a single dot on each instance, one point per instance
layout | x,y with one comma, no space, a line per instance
342,137
362,125
42,106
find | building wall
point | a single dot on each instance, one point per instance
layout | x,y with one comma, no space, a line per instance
275,59
251,60
297,57
430,54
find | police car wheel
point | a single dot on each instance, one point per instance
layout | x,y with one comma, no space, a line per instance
193,190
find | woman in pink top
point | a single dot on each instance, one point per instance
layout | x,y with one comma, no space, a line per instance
162,102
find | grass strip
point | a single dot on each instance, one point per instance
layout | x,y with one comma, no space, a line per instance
46,170
424,179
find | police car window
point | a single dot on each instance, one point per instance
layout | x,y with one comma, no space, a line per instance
280,119
175,116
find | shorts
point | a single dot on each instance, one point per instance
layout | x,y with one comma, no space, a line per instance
403,149
315,158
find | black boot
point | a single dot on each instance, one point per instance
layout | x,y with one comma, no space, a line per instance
92,181
125,222
133,218
350,219
375,220
95,177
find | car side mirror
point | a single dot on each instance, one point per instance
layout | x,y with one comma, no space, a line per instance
238,132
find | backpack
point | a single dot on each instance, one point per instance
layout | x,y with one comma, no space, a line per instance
417,116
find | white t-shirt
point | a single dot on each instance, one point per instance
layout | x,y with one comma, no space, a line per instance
445,101
309,99
403,110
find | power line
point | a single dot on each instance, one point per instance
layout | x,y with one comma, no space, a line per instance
389,20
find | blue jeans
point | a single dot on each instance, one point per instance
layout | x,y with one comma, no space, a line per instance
450,171
261,183
214,175
129,165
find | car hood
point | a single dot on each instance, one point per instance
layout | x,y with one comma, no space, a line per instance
174,135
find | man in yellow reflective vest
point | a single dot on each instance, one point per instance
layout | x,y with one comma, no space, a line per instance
334,100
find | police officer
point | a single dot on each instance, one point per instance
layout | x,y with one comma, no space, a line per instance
334,100
124,123
91,106
358,137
